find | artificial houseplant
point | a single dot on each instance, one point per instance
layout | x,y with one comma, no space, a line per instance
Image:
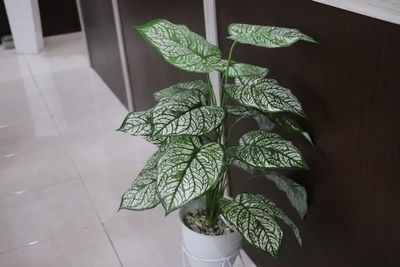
188,126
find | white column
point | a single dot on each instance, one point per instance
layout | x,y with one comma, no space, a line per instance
26,27
210,21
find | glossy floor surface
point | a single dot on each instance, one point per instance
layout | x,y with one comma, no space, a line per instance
63,168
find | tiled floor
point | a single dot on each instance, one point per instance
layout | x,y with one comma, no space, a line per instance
63,168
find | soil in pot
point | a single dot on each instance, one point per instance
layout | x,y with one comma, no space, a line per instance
196,221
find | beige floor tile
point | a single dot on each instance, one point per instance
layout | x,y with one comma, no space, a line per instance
29,135
88,247
44,213
106,187
26,171
147,238
20,88
101,150
72,92
22,110
13,67
61,52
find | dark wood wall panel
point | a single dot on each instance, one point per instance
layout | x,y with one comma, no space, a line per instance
147,70
350,87
102,42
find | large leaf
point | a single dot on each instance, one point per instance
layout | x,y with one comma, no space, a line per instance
186,115
241,69
266,36
175,90
252,216
256,218
187,170
180,47
142,194
264,94
268,150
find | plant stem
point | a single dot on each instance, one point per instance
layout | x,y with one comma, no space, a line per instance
213,196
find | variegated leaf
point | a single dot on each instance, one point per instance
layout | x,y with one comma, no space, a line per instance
137,123
142,194
241,69
264,95
187,170
253,217
296,194
187,115
180,47
268,121
266,36
174,90
241,111
268,150
287,124
278,213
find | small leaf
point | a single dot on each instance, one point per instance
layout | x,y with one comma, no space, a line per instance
287,124
186,115
137,123
180,47
253,217
268,150
296,193
142,194
241,111
240,69
264,95
174,90
187,170
266,36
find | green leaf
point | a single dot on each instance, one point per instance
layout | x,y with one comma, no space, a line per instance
142,194
287,124
175,90
264,94
186,115
253,217
187,170
296,193
268,150
266,36
137,123
180,47
241,69
241,111
268,121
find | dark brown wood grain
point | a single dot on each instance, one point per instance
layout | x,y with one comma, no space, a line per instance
349,84
147,70
102,44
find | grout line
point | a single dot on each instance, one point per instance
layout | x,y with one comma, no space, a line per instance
112,244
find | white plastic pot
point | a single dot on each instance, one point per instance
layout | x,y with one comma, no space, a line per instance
208,251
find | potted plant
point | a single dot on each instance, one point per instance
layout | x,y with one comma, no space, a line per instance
189,170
